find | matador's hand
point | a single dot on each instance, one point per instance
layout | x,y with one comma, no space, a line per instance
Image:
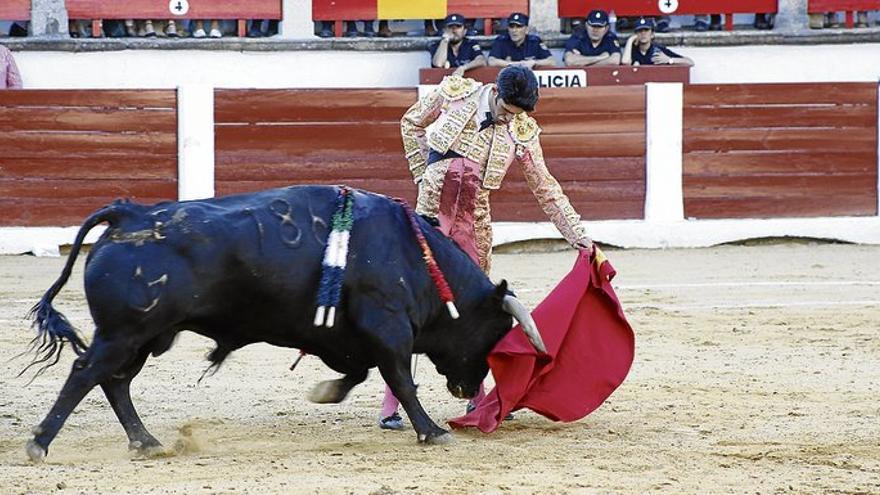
585,245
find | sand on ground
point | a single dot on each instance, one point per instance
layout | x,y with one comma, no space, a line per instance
756,371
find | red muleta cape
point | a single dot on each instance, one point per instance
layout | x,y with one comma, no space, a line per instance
590,347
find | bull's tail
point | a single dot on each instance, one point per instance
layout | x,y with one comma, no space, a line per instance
53,328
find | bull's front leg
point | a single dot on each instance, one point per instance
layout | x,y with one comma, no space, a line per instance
396,372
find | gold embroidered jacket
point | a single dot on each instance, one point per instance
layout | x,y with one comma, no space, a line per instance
446,119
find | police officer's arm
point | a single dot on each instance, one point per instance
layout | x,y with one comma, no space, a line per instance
666,56
544,58
627,57
549,194
478,61
546,62
612,59
572,56
440,54
497,55
412,130
575,59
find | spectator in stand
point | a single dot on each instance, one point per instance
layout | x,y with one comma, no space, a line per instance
763,21
431,27
829,20
518,47
113,28
19,29
256,28
199,29
625,23
640,48
704,23
80,29
455,49
598,47
384,30
10,78
326,30
662,24
351,29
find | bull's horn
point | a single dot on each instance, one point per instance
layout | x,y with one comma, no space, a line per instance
522,315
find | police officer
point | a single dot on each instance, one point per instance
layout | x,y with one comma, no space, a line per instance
518,47
640,48
598,46
454,48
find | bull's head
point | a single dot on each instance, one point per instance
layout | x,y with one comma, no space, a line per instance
460,349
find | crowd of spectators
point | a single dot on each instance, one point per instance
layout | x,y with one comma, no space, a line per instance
170,28
595,44
258,28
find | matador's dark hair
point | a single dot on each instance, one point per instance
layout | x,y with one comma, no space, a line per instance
517,85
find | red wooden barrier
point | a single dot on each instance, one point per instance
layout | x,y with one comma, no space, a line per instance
635,8
780,150
848,6
240,10
594,143
356,10
15,10
64,154
596,76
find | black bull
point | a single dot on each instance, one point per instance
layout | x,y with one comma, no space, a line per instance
245,269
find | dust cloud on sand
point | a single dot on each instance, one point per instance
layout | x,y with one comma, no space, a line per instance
757,370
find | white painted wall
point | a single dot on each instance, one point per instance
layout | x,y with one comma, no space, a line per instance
326,69
222,69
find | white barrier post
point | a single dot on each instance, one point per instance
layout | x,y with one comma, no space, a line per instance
878,148
195,142
296,20
664,197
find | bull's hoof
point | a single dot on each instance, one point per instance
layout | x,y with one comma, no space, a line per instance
328,392
146,449
35,453
438,439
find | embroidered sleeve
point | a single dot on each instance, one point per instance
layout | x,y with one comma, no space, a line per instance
412,129
549,194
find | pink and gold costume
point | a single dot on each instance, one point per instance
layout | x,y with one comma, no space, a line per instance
456,189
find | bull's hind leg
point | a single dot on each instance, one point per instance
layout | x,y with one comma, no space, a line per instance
118,392
99,363
335,391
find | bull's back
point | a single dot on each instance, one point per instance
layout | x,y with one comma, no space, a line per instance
244,260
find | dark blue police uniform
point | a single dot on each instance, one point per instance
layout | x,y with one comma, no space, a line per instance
638,58
468,51
532,48
581,43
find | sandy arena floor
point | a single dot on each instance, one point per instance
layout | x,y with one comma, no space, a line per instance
757,371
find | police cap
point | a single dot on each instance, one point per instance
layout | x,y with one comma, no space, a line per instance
597,18
643,23
518,19
454,20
